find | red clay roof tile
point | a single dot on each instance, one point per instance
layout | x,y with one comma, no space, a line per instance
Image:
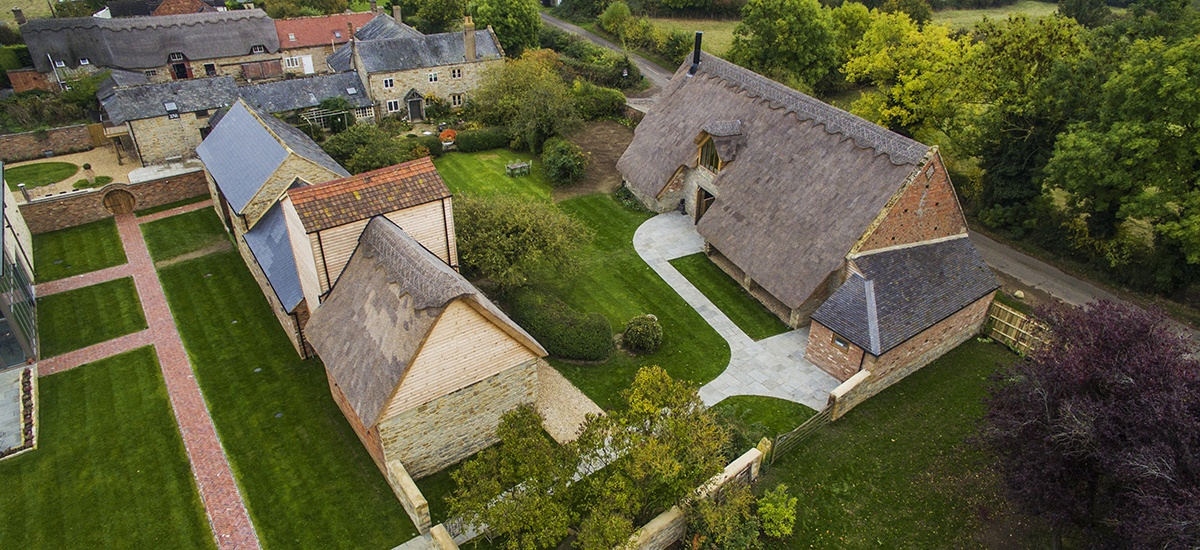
369,194
318,31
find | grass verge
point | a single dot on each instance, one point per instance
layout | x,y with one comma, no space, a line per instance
482,174
170,205
76,250
39,174
306,478
110,470
743,309
898,472
178,235
75,319
756,416
101,181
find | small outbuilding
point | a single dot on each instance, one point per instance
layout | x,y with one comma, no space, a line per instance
422,364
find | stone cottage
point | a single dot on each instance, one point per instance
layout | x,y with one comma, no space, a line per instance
421,363
305,42
157,122
823,216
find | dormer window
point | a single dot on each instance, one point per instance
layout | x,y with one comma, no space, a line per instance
60,63
175,56
85,61
172,109
258,48
708,156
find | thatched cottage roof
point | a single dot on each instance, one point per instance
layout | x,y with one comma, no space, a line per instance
806,181
903,292
146,42
379,312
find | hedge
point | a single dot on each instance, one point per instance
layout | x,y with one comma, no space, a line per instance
472,141
563,331
433,143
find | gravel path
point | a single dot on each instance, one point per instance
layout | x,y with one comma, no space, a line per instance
561,404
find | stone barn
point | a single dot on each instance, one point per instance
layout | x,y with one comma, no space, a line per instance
421,363
824,217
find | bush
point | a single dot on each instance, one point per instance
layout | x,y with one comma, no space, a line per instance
563,161
471,141
563,331
614,17
515,241
595,102
643,334
432,143
777,512
436,107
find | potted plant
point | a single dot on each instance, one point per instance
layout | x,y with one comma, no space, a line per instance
88,173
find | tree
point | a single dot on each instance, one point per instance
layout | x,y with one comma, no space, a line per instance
563,161
365,147
529,96
725,521
1089,13
440,15
511,240
1104,422
516,22
614,19
918,10
788,40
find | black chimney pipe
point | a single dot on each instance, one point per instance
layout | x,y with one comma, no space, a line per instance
696,55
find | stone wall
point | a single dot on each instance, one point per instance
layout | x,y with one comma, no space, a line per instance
63,211
160,138
410,496
418,79
841,362
32,145
432,436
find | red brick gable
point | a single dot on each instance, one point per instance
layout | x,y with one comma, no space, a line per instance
320,30
182,7
369,194
927,208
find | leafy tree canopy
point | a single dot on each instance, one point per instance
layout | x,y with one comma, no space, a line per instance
510,240
789,40
529,96
516,22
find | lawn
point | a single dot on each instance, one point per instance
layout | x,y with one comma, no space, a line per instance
76,250
306,478
758,416
718,33
170,205
897,471
965,19
39,174
78,318
101,181
185,233
483,174
110,470
743,309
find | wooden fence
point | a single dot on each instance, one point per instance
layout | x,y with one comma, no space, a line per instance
1013,328
788,441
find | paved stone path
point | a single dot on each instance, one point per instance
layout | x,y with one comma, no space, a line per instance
10,409
219,491
773,367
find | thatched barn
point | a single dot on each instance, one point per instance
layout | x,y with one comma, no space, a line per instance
791,195
421,363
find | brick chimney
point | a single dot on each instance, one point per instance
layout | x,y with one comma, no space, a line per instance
469,39
350,27
374,6
19,16
396,12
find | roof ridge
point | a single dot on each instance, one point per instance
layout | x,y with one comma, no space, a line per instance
866,134
872,315
314,189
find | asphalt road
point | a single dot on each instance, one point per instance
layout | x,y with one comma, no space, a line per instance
1014,263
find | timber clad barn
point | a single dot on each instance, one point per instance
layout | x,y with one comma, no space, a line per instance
421,363
823,216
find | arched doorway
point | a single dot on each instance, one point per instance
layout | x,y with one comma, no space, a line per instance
119,201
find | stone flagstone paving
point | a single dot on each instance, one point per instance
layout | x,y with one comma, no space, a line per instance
773,367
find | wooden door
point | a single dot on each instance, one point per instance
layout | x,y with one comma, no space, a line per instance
119,201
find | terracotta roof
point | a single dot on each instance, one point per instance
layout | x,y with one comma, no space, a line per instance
320,30
369,194
180,7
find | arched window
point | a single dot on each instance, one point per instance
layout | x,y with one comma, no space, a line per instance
708,156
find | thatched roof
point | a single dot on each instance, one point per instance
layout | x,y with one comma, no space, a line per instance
903,292
379,312
806,182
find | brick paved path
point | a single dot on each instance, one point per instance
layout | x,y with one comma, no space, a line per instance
222,501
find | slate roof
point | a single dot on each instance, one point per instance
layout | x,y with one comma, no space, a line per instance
403,54
379,28
145,42
120,78
903,292
245,148
302,93
369,194
323,30
370,328
148,101
807,180
268,240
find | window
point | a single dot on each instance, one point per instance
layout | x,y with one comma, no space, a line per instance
291,37
393,105
337,35
363,114
60,64
150,72
433,77
203,113
210,69
455,73
85,61
175,57
291,62
258,48
708,156
456,100
841,344
172,109
388,83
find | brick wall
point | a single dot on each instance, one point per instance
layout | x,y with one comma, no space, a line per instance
927,209
31,145
63,211
24,80
841,362
429,437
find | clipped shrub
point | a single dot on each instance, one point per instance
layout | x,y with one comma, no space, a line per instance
433,143
563,161
563,331
471,141
643,334
595,102
436,107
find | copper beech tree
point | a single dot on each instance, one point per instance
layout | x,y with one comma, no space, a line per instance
1098,431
